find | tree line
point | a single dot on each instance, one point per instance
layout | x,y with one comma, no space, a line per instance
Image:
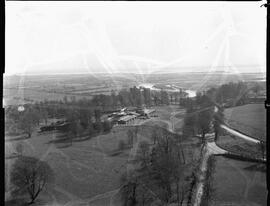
83,115
162,173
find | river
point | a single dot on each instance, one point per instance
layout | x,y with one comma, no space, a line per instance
191,93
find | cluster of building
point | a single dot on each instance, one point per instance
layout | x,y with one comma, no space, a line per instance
127,116
124,116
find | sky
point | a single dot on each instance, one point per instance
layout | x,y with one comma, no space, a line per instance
134,37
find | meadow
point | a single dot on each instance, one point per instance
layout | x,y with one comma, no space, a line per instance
249,119
82,170
239,183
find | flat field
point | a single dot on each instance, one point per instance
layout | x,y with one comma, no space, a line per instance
249,119
239,183
21,96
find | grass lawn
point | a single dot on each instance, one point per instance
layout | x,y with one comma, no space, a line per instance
86,170
250,119
83,170
239,183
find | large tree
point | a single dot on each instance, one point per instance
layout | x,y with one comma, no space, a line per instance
218,119
204,122
190,120
31,176
28,120
134,191
159,173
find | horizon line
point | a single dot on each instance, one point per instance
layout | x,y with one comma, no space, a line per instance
134,73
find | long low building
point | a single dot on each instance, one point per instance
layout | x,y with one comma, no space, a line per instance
127,119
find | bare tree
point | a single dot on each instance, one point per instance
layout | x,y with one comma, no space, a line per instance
204,122
31,176
154,135
218,119
134,191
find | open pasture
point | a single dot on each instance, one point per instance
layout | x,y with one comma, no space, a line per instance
239,183
249,119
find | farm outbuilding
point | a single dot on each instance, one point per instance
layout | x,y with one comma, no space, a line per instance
127,119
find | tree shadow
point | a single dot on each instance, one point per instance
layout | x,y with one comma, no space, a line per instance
256,168
81,139
12,156
63,146
25,202
17,139
58,140
64,139
17,202
63,142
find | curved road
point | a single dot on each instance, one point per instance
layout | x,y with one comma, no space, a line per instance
238,134
209,149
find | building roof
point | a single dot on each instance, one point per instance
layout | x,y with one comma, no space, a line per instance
134,113
147,111
127,118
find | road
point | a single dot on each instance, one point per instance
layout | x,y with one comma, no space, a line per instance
238,134
210,148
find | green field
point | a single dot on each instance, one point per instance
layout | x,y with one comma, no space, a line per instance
239,183
249,119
